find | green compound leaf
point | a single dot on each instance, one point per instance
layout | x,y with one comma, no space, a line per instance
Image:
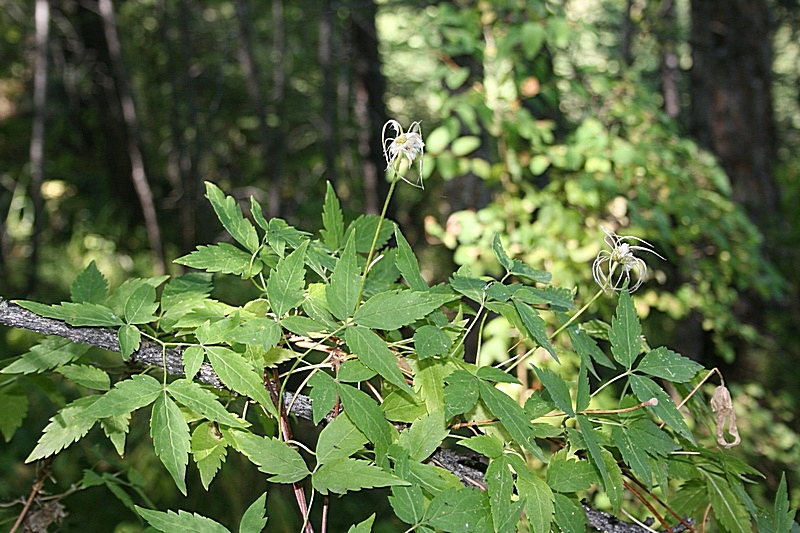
431,341
612,483
254,518
408,264
536,327
569,514
75,314
126,396
666,364
626,332
209,449
237,374
424,436
15,408
728,507
170,434
339,439
87,376
459,510
332,220
646,389
222,257
567,475
500,253
141,306
367,416
183,521
263,333
343,292
408,503
373,352
130,339
90,286
395,309
633,453
286,283
347,475
512,416
537,495
49,353
203,402
230,215
557,388
272,456
466,283
461,393
364,228
69,425
324,393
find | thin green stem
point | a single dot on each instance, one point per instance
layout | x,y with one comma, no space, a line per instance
375,241
576,315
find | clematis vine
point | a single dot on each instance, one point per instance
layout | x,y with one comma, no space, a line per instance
407,144
615,269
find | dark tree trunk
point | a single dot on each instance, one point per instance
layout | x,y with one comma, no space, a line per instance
731,97
370,110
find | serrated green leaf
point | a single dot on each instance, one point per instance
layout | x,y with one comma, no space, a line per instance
488,445
536,327
130,339
395,309
364,228
116,429
569,514
345,287
332,220
557,388
364,526
87,376
286,283
261,332
408,264
500,253
302,325
209,449
519,268
512,416
626,332
339,439
666,364
347,475
181,295
582,396
170,522
222,257
49,353
141,306
254,518
324,393
461,393
89,287
633,453
257,213
424,436
428,379
116,301
459,510
126,396
69,425
272,456
653,439
567,475
470,286
280,234
15,408
538,498
373,352
400,407
408,503
218,330
610,483
586,347
501,489
237,374
495,375
367,416
192,360
354,371
75,314
728,508
431,341
170,434
646,389
230,215
203,402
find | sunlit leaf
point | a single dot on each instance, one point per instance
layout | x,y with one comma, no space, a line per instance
170,434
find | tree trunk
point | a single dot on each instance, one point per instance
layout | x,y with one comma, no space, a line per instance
731,98
37,134
132,126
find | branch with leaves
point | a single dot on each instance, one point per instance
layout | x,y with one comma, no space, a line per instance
344,331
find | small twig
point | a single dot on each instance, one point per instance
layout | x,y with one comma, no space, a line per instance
43,468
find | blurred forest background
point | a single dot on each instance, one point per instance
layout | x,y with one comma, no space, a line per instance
677,121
